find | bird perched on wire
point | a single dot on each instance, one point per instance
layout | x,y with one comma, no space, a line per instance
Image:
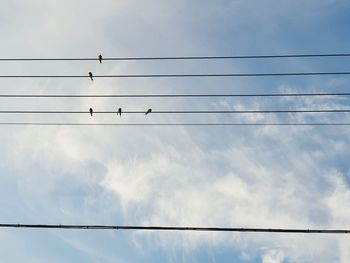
148,111
119,112
100,58
91,77
91,111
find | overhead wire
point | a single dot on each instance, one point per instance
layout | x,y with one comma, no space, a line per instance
168,124
185,75
177,111
178,228
169,95
268,56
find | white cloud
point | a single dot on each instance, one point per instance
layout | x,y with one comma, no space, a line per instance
273,256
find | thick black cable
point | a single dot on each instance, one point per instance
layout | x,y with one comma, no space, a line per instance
167,124
169,95
177,111
183,57
178,228
183,75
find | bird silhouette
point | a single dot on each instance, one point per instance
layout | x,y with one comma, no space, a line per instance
119,112
91,111
148,111
91,77
100,58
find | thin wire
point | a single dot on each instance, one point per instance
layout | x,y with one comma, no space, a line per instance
166,124
168,95
183,75
183,57
179,228
177,112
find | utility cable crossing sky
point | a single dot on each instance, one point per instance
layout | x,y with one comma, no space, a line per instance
170,95
171,124
100,58
178,228
197,75
150,111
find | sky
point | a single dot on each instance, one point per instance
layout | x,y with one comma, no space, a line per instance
268,177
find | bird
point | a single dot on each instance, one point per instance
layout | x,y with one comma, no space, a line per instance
148,111
91,77
100,58
91,111
119,112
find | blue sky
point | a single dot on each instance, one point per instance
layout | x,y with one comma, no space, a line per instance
292,177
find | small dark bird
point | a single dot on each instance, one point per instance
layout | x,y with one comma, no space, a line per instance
148,111
100,58
119,112
91,111
91,77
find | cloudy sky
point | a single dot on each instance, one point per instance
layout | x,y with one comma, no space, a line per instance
288,177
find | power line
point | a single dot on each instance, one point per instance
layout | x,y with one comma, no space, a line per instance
178,228
183,57
169,95
167,124
184,75
177,111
